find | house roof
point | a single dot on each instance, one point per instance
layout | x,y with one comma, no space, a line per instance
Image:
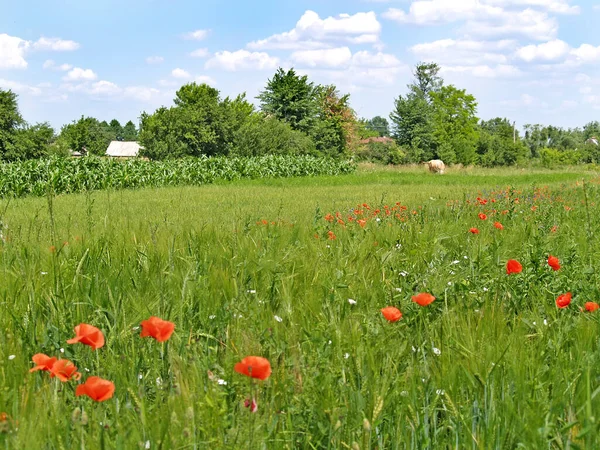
384,139
123,149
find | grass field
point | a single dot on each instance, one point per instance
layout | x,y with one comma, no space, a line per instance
249,268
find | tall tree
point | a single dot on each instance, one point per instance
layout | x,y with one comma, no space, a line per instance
116,130
86,135
291,98
10,119
130,132
380,125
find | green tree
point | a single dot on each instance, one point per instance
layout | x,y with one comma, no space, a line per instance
499,144
290,98
380,125
10,119
32,141
130,132
116,130
454,124
86,135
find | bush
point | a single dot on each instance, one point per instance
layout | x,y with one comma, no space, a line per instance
381,152
269,136
551,157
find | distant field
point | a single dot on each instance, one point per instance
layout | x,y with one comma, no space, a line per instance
262,267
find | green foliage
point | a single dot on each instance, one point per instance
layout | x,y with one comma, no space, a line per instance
381,152
551,157
86,136
260,136
130,132
200,123
379,126
32,142
290,98
10,119
70,175
499,144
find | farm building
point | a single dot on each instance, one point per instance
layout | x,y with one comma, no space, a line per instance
119,149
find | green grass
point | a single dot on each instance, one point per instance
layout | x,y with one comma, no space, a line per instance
513,371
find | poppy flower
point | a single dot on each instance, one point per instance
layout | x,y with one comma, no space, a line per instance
64,370
88,335
513,266
423,299
498,225
591,306
361,222
392,314
251,404
43,362
331,235
474,230
482,216
255,367
96,388
563,300
553,262
159,329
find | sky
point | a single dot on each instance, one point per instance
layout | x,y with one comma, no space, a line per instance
532,61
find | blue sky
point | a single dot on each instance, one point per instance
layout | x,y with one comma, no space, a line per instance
533,61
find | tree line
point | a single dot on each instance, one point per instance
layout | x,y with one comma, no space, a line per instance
431,120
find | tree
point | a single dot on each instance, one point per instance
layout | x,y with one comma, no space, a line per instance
412,113
291,98
498,144
380,125
116,130
86,135
32,141
130,133
10,119
454,124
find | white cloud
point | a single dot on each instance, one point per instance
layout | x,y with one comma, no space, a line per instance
200,53
464,52
180,73
482,18
154,59
312,32
19,87
50,64
55,44
12,52
197,35
548,51
331,57
242,60
377,60
104,88
141,93
484,71
586,53
205,79
554,6
79,74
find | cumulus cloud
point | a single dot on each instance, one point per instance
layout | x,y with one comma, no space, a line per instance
330,57
55,44
465,51
79,74
12,52
242,60
484,71
20,87
549,51
197,35
312,32
180,73
51,65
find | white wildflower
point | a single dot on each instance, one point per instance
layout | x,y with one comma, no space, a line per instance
278,319
329,342
545,322
11,357
466,257
456,262
414,349
485,289
352,301
398,289
440,392
140,376
147,446
403,273
62,350
251,291
534,324
135,328
222,382
378,220
404,393
346,355
44,273
158,381
450,282
437,351
212,317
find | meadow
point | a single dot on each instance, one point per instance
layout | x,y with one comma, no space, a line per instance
297,271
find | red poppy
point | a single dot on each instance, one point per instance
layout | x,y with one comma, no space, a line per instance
159,329
392,314
591,306
251,404
331,235
43,362
482,216
64,370
88,335
498,225
513,266
361,222
474,230
96,388
553,262
423,299
255,367
563,300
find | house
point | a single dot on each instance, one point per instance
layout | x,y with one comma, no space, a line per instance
382,139
120,149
